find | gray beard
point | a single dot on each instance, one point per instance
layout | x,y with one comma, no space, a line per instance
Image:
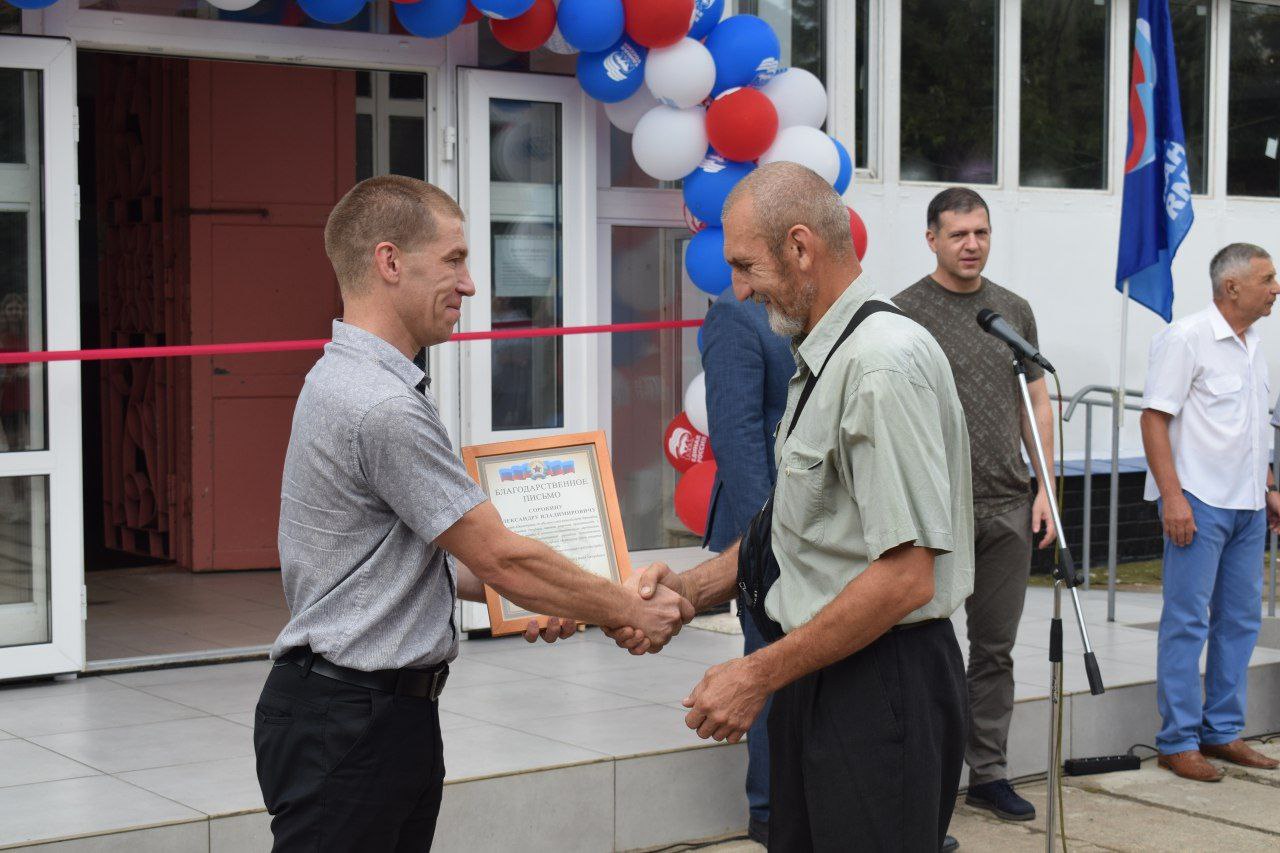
789,326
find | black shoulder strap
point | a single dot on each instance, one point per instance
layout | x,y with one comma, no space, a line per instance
871,306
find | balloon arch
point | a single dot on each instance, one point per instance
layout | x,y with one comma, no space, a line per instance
705,99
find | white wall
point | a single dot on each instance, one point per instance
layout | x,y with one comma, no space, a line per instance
1056,248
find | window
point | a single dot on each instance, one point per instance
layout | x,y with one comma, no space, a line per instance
527,261
949,90
280,13
862,86
1253,112
801,29
1063,133
23,387
391,125
1191,40
649,373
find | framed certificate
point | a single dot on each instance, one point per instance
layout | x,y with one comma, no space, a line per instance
560,491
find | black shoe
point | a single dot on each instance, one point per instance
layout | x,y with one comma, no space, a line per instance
758,831
950,844
1000,799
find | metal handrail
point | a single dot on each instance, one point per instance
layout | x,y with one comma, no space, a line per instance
1106,398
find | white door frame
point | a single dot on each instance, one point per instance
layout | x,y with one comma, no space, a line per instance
60,463
581,362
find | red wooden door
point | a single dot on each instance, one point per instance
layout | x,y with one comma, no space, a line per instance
272,149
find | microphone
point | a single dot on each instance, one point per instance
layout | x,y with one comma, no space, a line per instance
998,327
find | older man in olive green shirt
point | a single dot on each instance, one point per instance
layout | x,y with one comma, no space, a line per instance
873,534
884,427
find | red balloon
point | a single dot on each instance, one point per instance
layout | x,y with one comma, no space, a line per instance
473,14
742,124
529,31
684,445
658,23
858,230
693,496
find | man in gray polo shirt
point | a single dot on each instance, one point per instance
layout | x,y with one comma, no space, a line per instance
873,535
373,504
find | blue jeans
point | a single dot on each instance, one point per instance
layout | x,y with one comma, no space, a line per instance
758,734
1213,592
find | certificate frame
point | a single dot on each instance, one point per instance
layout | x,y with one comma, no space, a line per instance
495,465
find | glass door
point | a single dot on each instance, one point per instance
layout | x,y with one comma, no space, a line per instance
41,569
527,183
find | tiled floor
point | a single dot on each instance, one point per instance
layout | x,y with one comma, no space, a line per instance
135,613
172,745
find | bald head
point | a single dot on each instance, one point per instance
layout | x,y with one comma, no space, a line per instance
785,195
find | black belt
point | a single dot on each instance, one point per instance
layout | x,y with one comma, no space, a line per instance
908,626
421,683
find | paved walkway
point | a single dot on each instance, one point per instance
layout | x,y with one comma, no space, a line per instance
1147,810
173,747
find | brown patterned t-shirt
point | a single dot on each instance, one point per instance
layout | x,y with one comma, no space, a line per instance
988,387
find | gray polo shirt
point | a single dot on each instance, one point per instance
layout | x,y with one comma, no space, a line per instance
370,481
879,458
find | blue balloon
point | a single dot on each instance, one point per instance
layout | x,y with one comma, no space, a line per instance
32,5
431,18
707,187
503,9
846,168
706,14
332,11
615,74
705,263
591,25
746,51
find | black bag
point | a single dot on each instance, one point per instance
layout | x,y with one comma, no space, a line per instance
757,567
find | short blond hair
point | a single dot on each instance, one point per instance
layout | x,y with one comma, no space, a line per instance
388,208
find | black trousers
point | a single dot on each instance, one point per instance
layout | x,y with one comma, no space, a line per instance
345,768
866,754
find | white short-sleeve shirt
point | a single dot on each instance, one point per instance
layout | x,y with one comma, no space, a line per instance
1216,387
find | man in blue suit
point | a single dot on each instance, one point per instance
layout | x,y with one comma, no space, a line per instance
747,370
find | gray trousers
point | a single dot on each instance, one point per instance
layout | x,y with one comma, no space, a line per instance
1002,563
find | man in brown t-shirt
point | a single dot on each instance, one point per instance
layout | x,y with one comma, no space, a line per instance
1005,514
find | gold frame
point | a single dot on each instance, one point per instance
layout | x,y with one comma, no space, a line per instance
606,496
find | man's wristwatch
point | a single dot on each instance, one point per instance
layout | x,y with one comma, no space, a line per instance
1273,488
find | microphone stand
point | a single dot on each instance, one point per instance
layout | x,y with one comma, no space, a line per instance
1064,574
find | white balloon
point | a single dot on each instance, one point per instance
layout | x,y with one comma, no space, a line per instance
557,44
800,98
807,146
695,403
669,143
682,75
232,5
624,115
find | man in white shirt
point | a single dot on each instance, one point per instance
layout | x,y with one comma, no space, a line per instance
1207,440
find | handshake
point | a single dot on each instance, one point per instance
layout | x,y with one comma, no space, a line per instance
731,695
656,611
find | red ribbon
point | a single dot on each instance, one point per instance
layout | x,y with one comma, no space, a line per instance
257,347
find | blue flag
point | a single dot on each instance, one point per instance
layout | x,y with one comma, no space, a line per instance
1157,210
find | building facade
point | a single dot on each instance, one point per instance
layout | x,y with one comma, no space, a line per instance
166,169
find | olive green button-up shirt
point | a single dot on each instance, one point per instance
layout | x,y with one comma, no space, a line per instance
879,458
